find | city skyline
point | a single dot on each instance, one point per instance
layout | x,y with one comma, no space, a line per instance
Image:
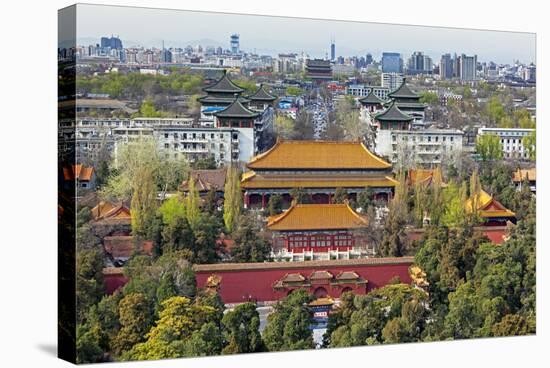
310,36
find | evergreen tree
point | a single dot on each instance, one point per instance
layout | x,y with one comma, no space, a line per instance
340,195
240,327
275,204
288,326
250,244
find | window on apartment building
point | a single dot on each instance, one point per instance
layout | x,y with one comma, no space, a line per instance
176,135
166,145
444,139
437,139
165,135
451,139
212,136
184,135
203,135
194,135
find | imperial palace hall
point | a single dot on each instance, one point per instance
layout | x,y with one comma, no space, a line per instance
319,231
318,168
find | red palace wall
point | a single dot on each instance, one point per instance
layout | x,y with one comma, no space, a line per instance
244,282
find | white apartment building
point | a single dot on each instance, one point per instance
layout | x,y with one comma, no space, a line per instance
361,90
392,81
177,134
429,147
227,145
511,140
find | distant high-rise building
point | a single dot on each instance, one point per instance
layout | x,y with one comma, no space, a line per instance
392,62
235,44
446,67
419,63
332,50
467,66
368,59
111,42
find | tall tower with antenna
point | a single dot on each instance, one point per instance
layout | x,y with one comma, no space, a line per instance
332,50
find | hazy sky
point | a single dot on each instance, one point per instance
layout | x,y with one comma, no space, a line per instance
271,35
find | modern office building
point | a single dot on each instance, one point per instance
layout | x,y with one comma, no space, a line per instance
467,66
392,62
419,63
234,44
446,67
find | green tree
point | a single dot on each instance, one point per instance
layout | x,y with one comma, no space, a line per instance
240,329
393,242
340,195
288,326
89,280
489,147
144,201
147,110
300,196
365,200
178,320
250,244
136,317
429,98
530,144
284,126
192,205
275,205
232,199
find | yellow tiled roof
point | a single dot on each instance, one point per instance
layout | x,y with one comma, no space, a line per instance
251,180
317,155
425,176
316,217
488,206
522,174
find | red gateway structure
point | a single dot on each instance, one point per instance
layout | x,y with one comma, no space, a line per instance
269,282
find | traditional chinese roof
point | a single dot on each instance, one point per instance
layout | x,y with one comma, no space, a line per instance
254,180
220,100
523,174
392,113
321,301
293,277
79,172
262,95
317,155
347,275
488,206
109,210
321,275
403,91
224,85
236,110
206,180
317,217
371,99
425,176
